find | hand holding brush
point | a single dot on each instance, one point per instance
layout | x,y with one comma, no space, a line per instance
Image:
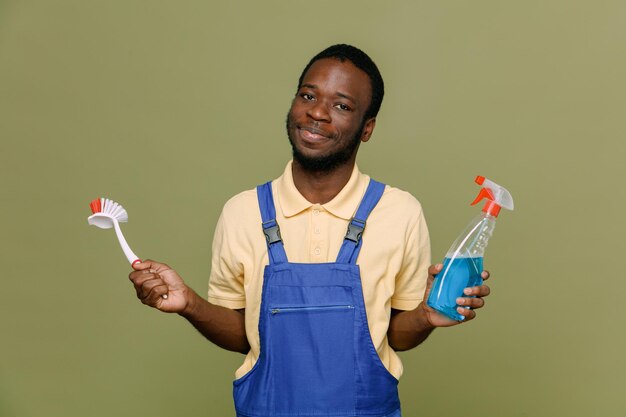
159,286
109,214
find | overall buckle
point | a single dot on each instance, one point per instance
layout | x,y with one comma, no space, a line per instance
355,230
271,231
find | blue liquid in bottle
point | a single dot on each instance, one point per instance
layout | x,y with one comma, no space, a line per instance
456,275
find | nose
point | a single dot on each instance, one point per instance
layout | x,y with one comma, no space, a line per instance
319,111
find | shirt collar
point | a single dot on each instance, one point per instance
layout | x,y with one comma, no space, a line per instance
344,204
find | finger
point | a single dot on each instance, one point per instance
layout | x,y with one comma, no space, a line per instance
435,269
138,277
153,289
470,302
143,282
140,266
479,291
485,275
156,294
142,286
150,264
467,313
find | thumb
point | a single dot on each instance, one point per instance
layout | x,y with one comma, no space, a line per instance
152,265
435,269
147,264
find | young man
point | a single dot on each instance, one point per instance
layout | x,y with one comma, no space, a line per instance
319,311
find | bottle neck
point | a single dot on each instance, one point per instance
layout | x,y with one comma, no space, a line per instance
491,208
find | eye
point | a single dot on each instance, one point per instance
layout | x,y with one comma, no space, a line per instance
307,96
343,107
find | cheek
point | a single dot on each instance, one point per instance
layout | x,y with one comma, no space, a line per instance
297,109
292,118
347,126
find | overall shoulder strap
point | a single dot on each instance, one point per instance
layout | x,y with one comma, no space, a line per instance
275,248
352,242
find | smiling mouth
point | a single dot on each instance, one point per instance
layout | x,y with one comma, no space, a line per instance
312,134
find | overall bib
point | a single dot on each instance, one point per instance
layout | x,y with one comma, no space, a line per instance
317,357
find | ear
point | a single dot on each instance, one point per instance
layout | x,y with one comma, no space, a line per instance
368,129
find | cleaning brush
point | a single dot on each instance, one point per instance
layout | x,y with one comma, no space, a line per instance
107,214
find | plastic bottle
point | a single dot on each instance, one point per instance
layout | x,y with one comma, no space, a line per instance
463,264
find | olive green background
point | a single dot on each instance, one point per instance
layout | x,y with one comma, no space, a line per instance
172,107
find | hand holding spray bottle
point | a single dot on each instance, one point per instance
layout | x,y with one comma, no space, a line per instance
463,263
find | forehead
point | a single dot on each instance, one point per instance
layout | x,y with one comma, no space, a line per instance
334,76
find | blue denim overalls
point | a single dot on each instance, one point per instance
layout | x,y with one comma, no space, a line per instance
317,357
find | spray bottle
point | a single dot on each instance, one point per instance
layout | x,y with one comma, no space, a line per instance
463,264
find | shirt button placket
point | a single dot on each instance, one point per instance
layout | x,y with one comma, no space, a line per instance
316,251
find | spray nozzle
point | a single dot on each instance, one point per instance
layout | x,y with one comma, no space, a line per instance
496,195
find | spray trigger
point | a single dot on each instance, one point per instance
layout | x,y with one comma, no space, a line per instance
484,193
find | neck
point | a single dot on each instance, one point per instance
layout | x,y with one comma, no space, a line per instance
321,187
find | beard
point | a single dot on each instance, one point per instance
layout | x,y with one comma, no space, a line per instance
330,161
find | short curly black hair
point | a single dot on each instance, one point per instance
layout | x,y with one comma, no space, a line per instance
362,61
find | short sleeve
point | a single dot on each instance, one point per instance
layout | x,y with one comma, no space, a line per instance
413,275
226,280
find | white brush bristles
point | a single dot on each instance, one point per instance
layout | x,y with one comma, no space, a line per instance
108,214
114,210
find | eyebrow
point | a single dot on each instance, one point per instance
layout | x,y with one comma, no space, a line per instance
346,97
342,95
